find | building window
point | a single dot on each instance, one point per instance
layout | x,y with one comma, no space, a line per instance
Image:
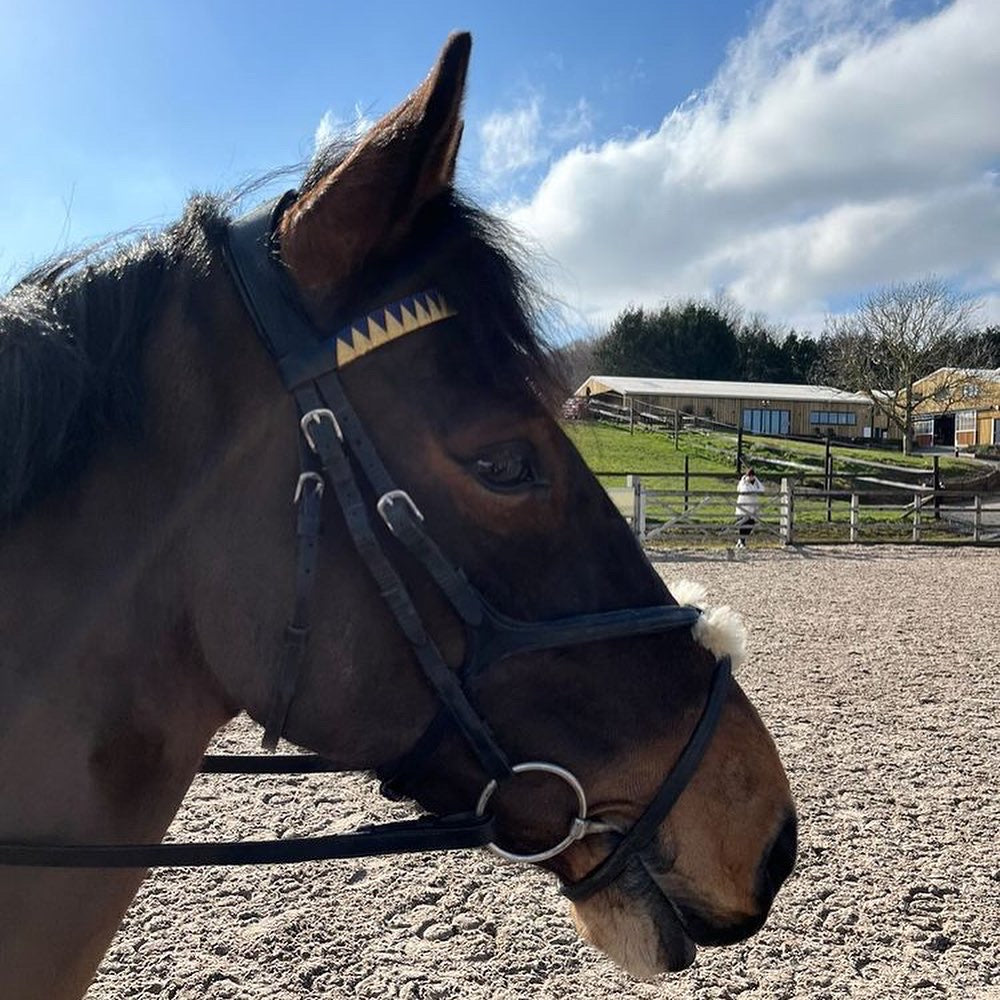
970,391
924,426
767,421
965,421
832,417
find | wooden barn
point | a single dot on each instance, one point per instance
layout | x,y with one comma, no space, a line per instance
757,407
960,407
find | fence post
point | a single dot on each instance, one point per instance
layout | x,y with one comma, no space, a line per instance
739,451
937,487
916,517
828,480
677,426
854,517
786,516
977,519
631,415
638,505
687,482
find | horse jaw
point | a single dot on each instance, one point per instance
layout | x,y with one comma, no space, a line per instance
639,932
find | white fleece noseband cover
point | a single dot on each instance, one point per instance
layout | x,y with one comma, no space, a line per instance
720,630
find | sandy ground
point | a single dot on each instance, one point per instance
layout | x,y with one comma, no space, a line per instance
876,670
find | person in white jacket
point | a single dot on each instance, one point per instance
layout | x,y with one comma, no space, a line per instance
748,493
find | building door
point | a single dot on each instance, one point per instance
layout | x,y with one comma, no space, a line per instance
944,429
996,430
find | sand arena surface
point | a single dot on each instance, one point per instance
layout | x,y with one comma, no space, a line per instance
876,670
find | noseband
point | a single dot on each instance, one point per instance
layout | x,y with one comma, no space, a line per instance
336,454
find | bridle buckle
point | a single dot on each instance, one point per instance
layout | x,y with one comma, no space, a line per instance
308,477
386,501
317,416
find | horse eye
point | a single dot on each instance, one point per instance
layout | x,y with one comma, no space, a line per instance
505,467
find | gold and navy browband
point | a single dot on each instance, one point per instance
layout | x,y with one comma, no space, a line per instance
389,322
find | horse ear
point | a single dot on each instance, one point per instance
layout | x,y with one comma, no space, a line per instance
368,201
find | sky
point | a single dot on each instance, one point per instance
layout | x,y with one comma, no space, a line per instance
789,154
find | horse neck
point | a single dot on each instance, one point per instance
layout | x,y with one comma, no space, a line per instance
105,708
101,732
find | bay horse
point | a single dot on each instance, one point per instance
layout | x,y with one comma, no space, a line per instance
472,604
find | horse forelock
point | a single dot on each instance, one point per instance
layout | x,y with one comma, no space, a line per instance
487,279
476,262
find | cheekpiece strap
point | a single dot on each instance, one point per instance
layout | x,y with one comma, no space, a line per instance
264,286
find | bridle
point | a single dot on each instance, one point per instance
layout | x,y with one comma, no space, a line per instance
337,455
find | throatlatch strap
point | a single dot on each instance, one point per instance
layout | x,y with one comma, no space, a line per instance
309,497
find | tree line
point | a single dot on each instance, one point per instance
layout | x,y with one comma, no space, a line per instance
698,340
895,336
701,340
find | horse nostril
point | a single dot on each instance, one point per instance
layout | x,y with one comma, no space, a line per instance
780,861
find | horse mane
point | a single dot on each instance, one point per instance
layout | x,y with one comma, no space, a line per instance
71,337
72,330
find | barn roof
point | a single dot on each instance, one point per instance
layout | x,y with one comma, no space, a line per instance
972,374
712,389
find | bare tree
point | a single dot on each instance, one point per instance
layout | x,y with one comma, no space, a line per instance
898,335
576,362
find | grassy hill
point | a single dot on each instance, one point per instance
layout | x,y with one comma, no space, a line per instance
613,452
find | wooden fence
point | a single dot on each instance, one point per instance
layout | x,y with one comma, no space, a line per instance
795,514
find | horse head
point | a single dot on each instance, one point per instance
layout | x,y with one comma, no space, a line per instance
455,406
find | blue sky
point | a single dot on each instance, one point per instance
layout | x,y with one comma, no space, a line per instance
789,153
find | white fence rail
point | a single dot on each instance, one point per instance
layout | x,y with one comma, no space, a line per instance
791,514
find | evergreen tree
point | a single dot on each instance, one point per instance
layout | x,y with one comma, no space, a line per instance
693,340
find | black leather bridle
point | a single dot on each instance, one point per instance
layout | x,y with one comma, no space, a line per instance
336,453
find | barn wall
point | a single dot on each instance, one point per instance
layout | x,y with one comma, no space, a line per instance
727,410
984,430
942,395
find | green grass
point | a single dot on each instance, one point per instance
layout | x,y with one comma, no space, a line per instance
614,450
849,459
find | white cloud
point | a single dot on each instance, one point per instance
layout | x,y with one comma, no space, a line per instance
333,126
577,123
837,148
511,139
990,313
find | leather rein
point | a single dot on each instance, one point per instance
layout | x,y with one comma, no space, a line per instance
336,454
